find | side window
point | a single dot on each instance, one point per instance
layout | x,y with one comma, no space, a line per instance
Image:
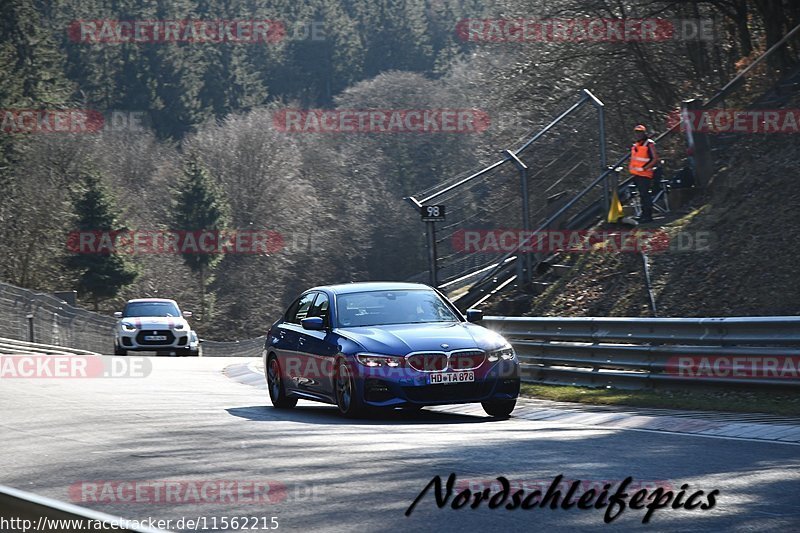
320,308
304,307
299,310
289,316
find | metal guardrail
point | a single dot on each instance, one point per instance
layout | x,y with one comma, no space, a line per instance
15,347
25,314
23,511
244,348
642,353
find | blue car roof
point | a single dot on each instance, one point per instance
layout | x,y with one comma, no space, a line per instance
345,288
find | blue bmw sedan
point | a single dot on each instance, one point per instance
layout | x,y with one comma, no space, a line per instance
365,346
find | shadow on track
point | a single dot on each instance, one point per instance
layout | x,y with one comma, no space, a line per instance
323,414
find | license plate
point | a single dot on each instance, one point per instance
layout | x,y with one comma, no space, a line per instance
155,337
452,377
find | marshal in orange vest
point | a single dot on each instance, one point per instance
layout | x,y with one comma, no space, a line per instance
640,156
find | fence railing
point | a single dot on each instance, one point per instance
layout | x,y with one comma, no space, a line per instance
488,197
26,315
30,316
500,274
16,347
642,353
244,348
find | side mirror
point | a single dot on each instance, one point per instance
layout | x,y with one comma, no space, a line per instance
313,323
117,314
187,314
474,315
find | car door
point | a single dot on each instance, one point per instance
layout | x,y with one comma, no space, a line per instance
287,340
319,349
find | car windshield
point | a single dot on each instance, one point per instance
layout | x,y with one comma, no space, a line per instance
376,308
165,309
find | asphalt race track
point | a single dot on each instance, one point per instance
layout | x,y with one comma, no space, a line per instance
189,422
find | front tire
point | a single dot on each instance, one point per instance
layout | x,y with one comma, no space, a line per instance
499,408
347,399
119,351
277,394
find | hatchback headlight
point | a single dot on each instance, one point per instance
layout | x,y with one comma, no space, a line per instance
127,326
505,353
178,326
377,360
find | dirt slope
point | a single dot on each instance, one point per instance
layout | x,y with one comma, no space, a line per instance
752,267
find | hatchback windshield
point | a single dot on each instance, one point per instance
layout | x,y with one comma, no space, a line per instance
165,309
376,308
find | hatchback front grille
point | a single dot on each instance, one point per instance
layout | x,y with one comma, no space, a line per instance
140,337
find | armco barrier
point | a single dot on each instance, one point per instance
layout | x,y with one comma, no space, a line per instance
15,347
54,322
641,353
245,348
57,323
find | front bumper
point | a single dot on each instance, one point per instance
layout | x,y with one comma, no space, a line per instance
500,381
137,340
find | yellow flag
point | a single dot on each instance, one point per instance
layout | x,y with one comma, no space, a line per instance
615,212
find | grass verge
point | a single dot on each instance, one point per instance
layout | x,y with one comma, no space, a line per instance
784,404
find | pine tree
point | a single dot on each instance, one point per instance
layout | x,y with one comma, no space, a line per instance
200,206
32,77
101,275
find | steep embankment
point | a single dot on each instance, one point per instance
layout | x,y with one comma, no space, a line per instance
752,266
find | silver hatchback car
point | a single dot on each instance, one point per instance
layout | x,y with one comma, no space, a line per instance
154,325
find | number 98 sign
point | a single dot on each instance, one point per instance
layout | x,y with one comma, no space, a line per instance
432,213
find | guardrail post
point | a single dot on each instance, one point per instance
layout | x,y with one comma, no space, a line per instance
430,233
699,147
523,258
601,119
29,317
601,113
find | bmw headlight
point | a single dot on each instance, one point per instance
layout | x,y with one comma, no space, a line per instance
505,353
127,326
377,360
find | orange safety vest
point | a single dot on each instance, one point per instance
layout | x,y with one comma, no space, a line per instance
640,156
